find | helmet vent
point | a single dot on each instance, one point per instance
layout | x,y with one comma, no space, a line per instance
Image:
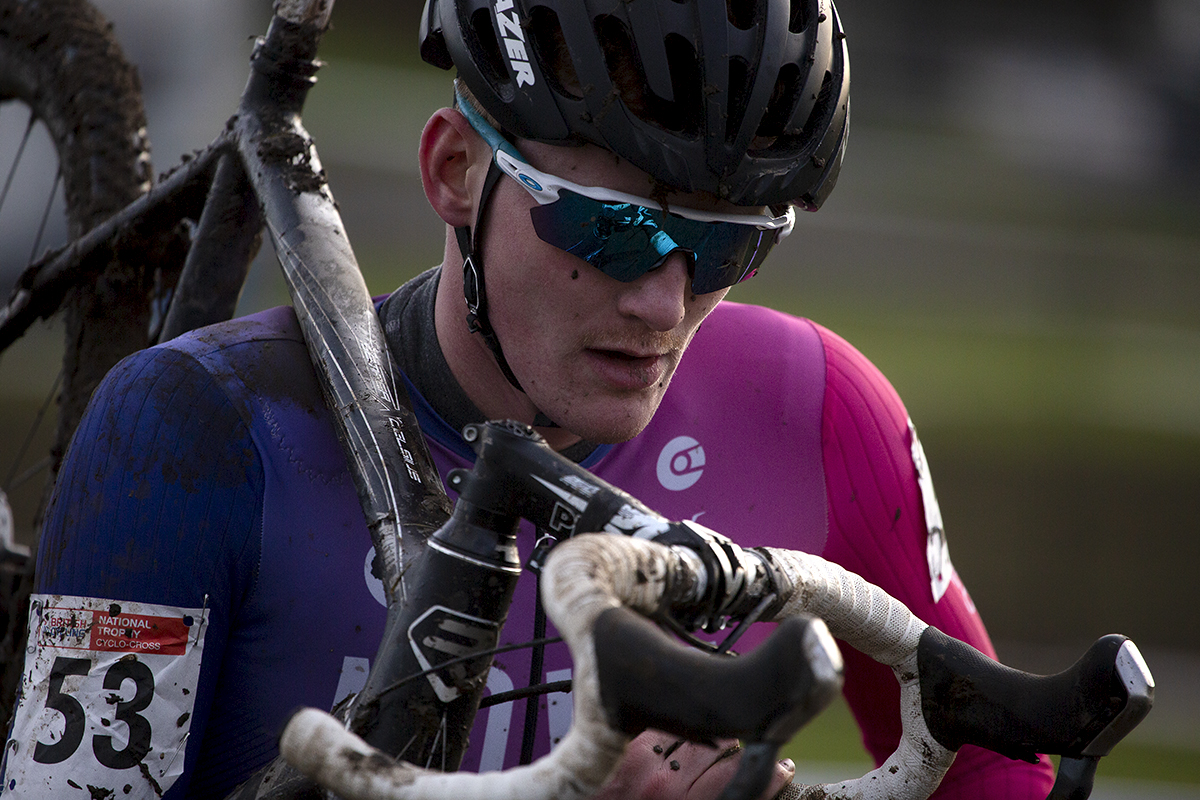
680,115
485,52
738,96
683,114
548,40
780,108
801,15
743,14
821,112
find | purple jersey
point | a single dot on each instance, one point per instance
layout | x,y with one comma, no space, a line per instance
206,475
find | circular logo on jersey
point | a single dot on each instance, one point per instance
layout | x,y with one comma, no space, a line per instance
680,464
371,573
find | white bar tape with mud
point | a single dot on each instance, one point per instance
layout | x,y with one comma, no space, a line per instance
880,626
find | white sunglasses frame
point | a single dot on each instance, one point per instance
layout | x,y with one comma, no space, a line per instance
545,187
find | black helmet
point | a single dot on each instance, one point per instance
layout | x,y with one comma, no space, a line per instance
746,99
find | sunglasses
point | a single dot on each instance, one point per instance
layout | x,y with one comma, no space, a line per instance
625,236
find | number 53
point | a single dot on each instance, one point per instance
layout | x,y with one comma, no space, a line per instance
74,717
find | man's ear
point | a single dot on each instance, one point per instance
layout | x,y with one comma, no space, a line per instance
451,156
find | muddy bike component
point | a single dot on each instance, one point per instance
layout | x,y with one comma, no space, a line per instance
228,235
440,644
516,472
58,58
398,486
1080,713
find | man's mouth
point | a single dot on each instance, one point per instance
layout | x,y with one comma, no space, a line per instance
629,369
622,355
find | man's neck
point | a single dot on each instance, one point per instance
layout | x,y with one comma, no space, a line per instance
475,368
414,318
407,316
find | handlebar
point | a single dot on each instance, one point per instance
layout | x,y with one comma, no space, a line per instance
597,589
592,586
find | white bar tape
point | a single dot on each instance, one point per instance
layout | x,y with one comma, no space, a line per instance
872,621
857,612
320,747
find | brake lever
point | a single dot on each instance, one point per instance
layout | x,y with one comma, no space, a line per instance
1076,774
650,680
1081,713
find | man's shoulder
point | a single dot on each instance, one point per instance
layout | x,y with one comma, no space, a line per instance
755,338
249,360
273,324
774,362
251,347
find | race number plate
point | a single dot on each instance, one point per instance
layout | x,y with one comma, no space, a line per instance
106,698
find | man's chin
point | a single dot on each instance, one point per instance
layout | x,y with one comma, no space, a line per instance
615,426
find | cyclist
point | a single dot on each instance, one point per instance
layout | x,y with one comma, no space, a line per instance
206,477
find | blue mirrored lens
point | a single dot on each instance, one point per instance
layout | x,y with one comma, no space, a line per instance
625,241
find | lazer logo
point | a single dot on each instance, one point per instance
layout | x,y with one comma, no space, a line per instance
514,42
680,464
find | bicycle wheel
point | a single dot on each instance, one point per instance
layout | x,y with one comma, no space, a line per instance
59,59
62,70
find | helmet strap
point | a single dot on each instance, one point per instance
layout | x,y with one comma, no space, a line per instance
475,288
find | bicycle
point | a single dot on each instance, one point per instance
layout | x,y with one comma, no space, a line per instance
264,158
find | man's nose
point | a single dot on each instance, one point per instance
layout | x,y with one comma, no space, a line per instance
658,298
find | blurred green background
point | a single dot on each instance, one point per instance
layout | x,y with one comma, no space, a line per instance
1014,241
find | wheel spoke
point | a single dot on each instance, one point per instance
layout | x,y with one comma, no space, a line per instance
37,240
13,480
12,170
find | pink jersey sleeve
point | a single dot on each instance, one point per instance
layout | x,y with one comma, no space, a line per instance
877,528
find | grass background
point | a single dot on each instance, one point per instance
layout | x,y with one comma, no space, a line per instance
1042,327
